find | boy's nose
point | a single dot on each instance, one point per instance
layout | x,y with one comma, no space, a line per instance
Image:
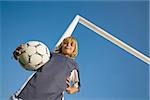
68,44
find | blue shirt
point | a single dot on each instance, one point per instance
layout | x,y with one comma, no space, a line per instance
49,81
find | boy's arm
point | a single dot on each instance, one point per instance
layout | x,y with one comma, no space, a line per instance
71,89
74,78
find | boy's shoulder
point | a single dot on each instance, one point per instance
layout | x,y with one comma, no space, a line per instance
72,63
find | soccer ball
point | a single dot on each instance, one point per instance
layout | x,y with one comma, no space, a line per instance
34,55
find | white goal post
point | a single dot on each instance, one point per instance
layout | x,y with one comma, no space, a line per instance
104,34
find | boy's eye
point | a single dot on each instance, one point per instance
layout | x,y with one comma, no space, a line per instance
65,42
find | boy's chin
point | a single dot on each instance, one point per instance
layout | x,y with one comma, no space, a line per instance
66,53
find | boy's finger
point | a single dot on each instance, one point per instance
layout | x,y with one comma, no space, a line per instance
20,47
68,83
68,89
68,79
17,53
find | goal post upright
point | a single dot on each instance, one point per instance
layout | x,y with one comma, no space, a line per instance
69,30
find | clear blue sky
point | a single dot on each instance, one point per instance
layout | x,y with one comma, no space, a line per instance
106,71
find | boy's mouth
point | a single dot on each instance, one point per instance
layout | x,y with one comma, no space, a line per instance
67,48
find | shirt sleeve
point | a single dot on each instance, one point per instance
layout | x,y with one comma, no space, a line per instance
74,78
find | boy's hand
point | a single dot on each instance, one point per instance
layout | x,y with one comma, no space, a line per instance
18,51
70,89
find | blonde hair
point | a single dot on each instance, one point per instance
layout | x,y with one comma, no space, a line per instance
72,39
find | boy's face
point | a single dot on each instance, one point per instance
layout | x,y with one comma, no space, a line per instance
68,47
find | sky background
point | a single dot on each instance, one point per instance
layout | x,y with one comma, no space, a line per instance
107,72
